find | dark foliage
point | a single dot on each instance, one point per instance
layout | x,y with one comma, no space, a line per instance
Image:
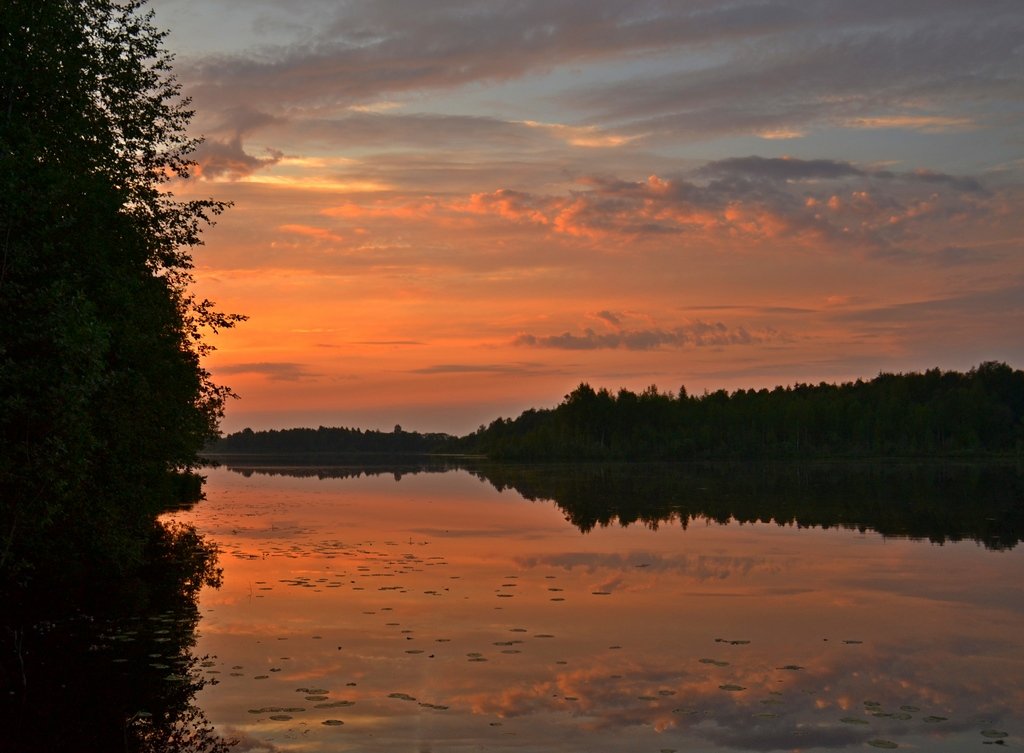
934,413
111,668
103,399
332,441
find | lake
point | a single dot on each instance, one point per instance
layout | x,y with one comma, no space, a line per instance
648,609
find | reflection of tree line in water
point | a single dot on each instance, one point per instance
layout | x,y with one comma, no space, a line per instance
938,502
109,666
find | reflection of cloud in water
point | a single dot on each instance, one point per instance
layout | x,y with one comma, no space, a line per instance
615,692
473,533
698,567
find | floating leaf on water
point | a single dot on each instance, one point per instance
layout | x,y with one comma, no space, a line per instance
935,719
601,593
280,717
853,643
887,744
792,667
730,687
261,677
685,712
872,703
853,720
996,734
543,635
335,705
647,698
414,651
666,692
766,715
901,716
332,722
316,698
402,696
909,708
716,662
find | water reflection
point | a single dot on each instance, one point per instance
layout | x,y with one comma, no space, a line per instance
112,668
442,613
937,502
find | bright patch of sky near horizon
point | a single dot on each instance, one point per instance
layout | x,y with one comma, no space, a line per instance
445,212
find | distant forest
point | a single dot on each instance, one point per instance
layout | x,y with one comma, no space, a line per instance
979,412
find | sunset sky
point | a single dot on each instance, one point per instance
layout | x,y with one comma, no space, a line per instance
449,211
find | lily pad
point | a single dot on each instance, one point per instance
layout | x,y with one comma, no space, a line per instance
995,734
886,744
332,722
731,688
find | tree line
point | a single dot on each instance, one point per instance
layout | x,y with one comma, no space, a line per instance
978,412
331,440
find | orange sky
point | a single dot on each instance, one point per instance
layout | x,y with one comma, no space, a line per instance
452,211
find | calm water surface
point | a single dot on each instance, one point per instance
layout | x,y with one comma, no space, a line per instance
435,613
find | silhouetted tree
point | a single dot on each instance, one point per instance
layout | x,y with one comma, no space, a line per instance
102,393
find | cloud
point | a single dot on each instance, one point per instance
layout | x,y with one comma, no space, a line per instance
695,334
741,202
829,63
494,368
278,371
612,318
1002,301
228,159
783,168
